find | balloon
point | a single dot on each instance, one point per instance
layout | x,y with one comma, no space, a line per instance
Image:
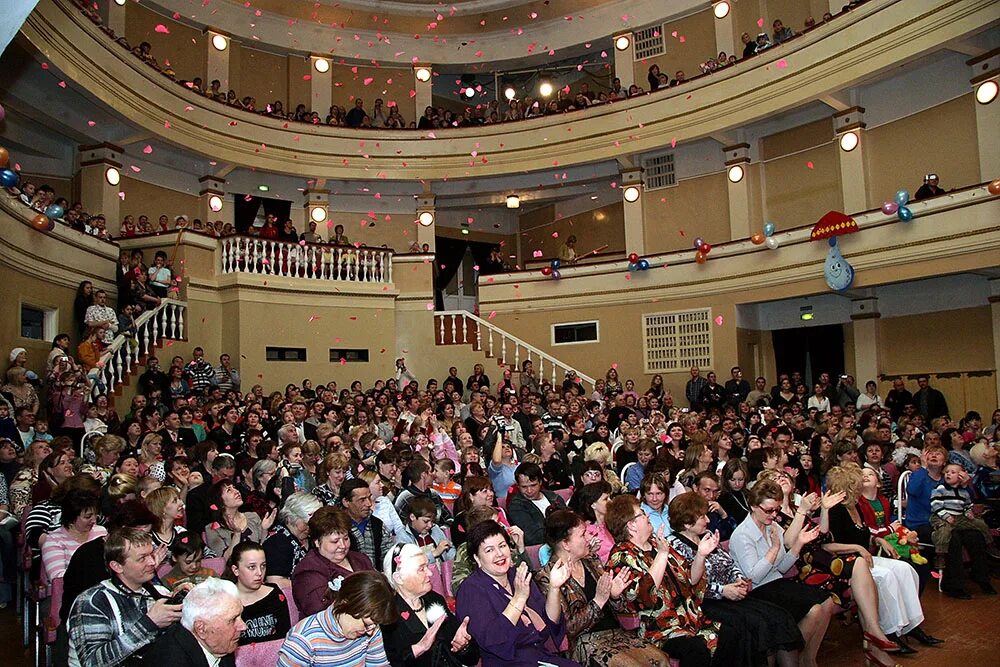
41,222
643,264
994,187
4,157
556,275
772,243
546,270
889,207
706,248
699,242
905,214
555,264
838,272
757,238
700,257
902,197
769,229
633,258
8,178
54,211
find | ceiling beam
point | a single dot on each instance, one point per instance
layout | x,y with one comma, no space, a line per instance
724,138
835,102
965,48
225,171
134,138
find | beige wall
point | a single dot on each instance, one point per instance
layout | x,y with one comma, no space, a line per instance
797,195
928,342
698,31
183,48
676,216
262,75
142,198
593,229
941,140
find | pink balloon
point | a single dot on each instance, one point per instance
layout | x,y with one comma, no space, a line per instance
3,112
890,207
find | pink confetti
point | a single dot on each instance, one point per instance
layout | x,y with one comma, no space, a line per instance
162,29
781,64
413,93
555,235
343,361
810,164
533,15
431,135
760,23
121,195
430,305
718,320
368,80
492,314
536,254
673,142
614,365
475,267
62,84
148,149
135,168
166,124
91,123
45,66
307,77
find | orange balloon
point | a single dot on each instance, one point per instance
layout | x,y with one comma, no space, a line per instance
700,257
4,157
993,187
757,238
41,222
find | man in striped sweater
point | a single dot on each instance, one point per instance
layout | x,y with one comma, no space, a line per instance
114,622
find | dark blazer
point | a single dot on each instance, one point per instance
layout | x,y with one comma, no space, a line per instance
524,514
178,648
186,440
400,637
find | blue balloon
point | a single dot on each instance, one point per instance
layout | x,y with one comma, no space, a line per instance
768,229
632,267
902,197
54,212
643,264
555,264
838,272
904,213
8,178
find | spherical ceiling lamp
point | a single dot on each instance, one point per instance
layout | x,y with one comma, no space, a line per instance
986,92
322,65
423,74
317,214
735,173
622,42
112,176
631,194
849,141
721,9
426,218
513,201
215,203
220,42
545,89
509,92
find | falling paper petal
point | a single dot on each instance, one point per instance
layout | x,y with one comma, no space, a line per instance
718,320
162,29
147,150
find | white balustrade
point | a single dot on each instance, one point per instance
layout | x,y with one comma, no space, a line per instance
243,254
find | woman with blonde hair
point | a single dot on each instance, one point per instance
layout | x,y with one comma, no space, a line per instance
331,475
151,457
166,504
599,453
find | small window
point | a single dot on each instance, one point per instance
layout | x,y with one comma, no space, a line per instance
286,354
569,333
348,355
649,42
38,323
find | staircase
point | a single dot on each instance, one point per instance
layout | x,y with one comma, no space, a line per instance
124,354
459,327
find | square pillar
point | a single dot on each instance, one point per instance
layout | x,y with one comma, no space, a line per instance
321,85
849,130
737,160
985,76
217,59
624,58
318,209
994,299
725,37
426,217
113,14
100,180
631,185
423,78
864,320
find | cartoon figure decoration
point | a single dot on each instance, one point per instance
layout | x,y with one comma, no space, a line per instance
837,270
904,541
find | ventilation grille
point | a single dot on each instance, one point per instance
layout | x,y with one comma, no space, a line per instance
677,341
649,42
658,171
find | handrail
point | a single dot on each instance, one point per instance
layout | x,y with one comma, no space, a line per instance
243,254
554,363
164,321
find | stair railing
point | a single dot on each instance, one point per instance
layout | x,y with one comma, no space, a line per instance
462,327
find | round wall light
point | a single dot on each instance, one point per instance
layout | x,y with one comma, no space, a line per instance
622,42
426,218
513,201
317,214
220,42
631,194
545,89
721,10
735,173
120,3
986,92
322,65
112,176
509,92
469,92
215,203
423,74
849,141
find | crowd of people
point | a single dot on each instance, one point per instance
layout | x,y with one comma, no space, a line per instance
467,520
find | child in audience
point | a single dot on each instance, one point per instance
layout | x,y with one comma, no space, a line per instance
187,553
42,429
422,531
444,485
951,508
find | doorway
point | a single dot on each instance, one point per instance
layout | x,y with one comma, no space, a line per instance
810,350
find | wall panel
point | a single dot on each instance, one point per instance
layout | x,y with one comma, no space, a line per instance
676,216
801,188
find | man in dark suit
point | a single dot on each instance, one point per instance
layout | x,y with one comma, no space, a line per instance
176,440
929,401
528,508
209,630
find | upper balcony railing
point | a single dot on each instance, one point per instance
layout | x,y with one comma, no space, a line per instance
241,254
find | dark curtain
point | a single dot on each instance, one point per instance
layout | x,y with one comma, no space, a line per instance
245,212
281,209
447,258
810,350
481,253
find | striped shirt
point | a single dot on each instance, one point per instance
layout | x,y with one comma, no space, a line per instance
318,640
950,500
59,548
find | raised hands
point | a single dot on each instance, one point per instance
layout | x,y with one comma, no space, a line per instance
620,582
662,545
709,541
462,637
522,584
427,641
807,535
831,499
559,574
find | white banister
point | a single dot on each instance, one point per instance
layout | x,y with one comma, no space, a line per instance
531,351
240,254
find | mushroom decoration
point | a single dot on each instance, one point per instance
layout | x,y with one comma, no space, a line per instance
837,270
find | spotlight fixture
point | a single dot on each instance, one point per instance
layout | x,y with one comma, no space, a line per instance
735,173
509,92
469,92
317,214
426,218
513,201
215,203
220,42
423,74
631,194
721,9
987,91
849,141
322,65
622,42
112,176
263,188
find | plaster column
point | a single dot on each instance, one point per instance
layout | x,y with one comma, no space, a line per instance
113,14
321,85
725,38
737,161
994,300
217,59
849,129
864,321
625,59
212,200
631,182
424,97
426,213
986,70
97,193
317,205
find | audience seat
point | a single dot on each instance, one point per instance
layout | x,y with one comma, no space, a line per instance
293,611
565,494
625,470
532,553
216,564
261,654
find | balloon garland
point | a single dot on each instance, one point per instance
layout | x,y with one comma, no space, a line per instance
898,206
9,178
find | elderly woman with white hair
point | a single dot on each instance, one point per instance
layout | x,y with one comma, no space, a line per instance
426,633
209,630
287,545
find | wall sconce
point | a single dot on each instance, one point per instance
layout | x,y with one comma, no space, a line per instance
513,201
735,174
509,92
317,214
987,91
426,218
631,194
215,203
545,88
622,42
469,92
849,141
423,74
322,65
220,42
112,176
721,9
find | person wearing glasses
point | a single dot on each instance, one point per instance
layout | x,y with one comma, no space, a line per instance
759,549
347,632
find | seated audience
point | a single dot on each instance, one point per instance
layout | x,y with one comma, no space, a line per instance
265,609
328,562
